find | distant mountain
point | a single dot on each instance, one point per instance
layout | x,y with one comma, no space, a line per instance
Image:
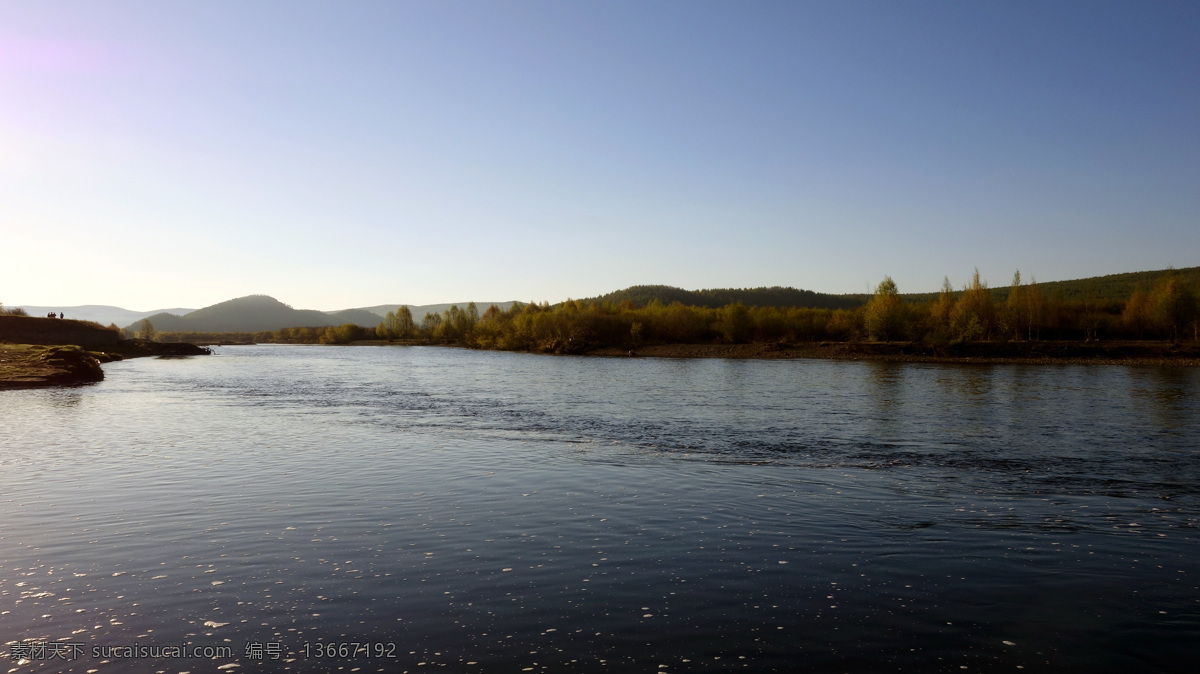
361,317
259,313
719,297
419,310
104,315
256,313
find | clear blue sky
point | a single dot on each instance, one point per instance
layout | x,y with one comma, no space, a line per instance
349,154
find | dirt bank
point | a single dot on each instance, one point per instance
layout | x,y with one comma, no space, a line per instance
32,366
37,365
62,352
55,331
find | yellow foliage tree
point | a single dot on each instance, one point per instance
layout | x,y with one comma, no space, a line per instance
1016,307
974,314
1136,316
884,316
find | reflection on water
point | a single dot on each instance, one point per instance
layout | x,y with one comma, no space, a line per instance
66,397
500,511
1169,394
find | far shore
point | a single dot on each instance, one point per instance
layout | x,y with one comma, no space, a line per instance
1020,353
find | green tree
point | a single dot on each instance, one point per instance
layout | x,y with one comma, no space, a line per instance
884,316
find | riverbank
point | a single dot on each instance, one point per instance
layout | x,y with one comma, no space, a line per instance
34,366
37,365
1025,353
1028,353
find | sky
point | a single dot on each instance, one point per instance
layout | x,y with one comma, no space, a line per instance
337,155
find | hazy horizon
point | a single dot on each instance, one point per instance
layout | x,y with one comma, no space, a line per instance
184,155
867,290
484,303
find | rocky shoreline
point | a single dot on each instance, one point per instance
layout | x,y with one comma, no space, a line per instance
34,366
24,366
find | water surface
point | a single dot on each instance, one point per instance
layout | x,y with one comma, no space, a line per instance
496,512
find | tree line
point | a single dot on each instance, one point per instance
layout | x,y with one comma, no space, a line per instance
1169,310
1166,311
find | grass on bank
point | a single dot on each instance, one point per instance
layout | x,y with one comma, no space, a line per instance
34,364
23,361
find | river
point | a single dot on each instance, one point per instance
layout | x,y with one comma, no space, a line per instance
265,508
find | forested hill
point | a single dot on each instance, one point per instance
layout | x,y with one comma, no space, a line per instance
419,311
1113,287
719,297
260,313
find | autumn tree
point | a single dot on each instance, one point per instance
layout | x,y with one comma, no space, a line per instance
1136,316
492,313
973,316
1016,307
1035,307
146,330
737,324
431,323
945,303
1173,306
884,316
344,334
387,327
405,326
635,333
